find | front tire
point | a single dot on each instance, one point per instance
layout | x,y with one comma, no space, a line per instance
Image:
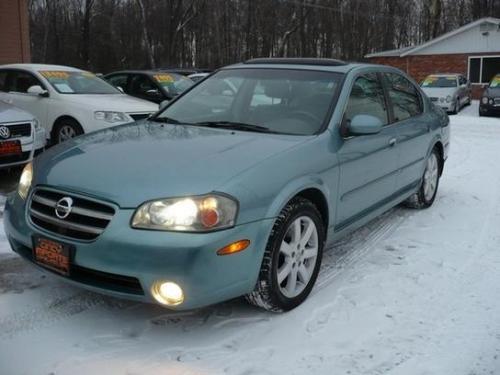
292,258
426,195
66,129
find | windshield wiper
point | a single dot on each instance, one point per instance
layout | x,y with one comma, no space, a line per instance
166,120
235,126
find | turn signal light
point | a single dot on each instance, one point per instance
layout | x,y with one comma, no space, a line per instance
233,248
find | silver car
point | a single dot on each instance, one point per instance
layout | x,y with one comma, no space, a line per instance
21,136
449,91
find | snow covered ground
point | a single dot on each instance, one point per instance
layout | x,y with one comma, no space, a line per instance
414,292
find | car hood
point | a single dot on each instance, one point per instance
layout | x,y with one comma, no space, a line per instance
9,113
113,102
439,92
133,163
492,92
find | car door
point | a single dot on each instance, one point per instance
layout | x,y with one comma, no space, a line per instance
368,163
143,87
15,92
413,127
466,90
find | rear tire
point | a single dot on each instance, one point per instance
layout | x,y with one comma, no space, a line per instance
292,258
426,195
65,129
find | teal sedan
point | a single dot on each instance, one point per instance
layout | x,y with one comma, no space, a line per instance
235,187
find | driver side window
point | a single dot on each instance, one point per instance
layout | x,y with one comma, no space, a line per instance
367,98
22,81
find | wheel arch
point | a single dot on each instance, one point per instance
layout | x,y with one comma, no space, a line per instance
438,145
314,190
61,118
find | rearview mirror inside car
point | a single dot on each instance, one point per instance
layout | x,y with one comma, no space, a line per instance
38,90
365,124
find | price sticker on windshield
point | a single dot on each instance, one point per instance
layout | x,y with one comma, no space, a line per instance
54,74
162,78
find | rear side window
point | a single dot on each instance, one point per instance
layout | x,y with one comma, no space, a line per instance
119,80
367,98
405,98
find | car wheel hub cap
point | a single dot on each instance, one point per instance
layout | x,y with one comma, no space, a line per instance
431,176
297,257
66,132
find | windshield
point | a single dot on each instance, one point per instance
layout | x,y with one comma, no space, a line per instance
495,82
77,82
172,83
440,81
278,100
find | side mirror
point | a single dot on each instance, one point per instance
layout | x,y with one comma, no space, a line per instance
38,90
120,89
163,104
364,125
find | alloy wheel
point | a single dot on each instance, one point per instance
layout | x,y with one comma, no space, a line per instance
431,177
298,256
66,132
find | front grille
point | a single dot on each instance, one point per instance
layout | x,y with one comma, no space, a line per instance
8,159
20,130
434,99
87,220
139,116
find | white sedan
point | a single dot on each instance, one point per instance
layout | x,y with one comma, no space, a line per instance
68,101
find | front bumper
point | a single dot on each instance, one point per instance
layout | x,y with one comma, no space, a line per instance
30,146
489,109
187,259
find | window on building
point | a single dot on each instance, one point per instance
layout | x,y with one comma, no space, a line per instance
483,68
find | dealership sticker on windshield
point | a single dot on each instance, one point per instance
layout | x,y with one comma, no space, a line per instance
54,74
63,88
163,78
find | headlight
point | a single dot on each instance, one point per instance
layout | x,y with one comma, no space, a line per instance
190,214
110,116
25,181
36,124
448,99
485,100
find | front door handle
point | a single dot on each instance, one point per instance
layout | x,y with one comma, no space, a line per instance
392,142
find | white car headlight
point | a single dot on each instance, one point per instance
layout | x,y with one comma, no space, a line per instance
190,214
448,99
111,117
25,181
485,100
36,124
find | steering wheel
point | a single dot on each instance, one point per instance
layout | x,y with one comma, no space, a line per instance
308,116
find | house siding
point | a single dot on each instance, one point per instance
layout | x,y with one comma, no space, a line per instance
14,32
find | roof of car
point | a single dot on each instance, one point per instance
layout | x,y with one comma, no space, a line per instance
41,67
331,65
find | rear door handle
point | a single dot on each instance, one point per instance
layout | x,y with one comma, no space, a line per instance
392,142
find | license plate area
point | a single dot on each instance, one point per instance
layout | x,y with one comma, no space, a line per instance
53,255
10,148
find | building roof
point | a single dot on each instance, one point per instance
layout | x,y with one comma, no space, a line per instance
408,51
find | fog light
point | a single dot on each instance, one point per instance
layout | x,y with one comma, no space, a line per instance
167,293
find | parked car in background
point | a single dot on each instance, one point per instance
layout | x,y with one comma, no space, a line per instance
67,101
449,91
198,76
21,136
233,200
490,99
149,85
